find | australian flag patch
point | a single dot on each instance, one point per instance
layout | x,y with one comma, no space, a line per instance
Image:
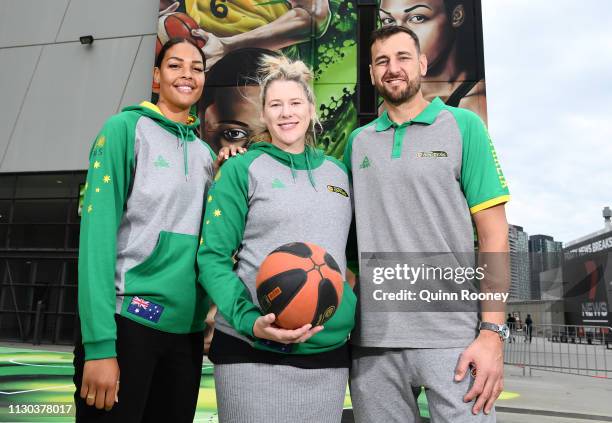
145,309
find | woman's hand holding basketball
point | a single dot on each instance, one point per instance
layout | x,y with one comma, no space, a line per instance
265,328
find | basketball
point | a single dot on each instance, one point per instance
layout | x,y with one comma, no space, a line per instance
300,283
175,25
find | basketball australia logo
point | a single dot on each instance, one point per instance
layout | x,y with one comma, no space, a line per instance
432,154
337,190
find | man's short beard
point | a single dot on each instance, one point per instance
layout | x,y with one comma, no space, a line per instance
403,96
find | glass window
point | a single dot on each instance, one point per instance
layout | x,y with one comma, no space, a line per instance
9,326
40,211
72,273
5,211
44,186
74,180
73,211
37,236
23,295
7,186
70,300
48,272
18,271
3,237
73,236
66,329
48,324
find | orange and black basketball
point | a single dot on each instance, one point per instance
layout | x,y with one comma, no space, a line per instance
300,283
176,25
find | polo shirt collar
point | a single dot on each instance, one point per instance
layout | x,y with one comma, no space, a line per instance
427,116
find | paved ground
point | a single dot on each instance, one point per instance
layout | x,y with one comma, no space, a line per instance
582,398
543,397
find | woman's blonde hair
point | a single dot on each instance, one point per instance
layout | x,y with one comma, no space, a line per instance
280,68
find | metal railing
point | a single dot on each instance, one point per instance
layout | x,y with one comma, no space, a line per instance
580,350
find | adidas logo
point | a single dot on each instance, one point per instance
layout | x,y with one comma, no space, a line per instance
365,163
277,183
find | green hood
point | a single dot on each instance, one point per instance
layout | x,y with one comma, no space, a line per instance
184,132
311,158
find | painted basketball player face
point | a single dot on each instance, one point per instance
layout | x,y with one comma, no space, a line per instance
287,114
397,68
430,22
234,116
180,76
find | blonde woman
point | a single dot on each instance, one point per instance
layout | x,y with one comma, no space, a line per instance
274,194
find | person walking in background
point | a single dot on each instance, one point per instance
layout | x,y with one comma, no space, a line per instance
511,323
528,328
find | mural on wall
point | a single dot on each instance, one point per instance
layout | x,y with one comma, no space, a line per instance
234,34
450,33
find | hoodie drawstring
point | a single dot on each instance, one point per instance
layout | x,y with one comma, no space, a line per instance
184,145
309,171
293,173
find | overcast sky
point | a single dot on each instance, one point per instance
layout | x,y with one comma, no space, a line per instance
549,95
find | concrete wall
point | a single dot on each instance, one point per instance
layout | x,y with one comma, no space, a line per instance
56,92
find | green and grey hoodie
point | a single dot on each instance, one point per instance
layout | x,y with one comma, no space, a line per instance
260,201
141,217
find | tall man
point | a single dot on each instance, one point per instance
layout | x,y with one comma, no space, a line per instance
421,173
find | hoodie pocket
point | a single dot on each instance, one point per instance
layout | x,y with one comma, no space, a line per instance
142,269
168,278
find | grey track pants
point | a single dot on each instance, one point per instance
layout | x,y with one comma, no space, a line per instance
381,384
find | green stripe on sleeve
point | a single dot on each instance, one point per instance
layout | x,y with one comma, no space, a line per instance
222,231
111,165
482,179
348,151
346,157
